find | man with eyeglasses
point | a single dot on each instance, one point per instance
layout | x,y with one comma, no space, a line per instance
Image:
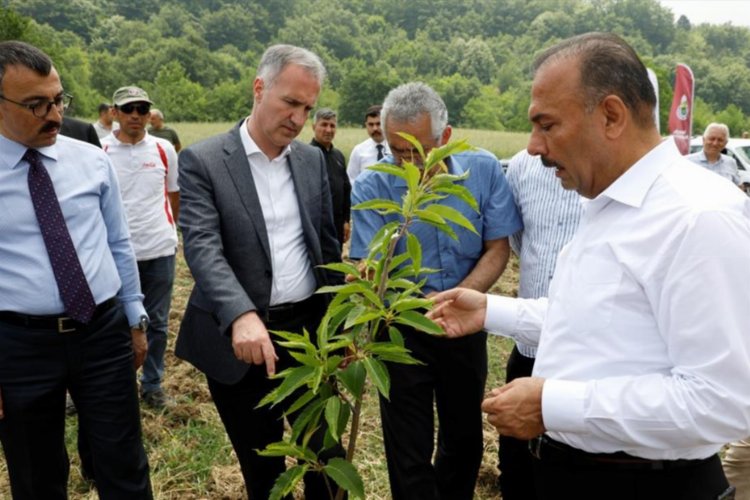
71,312
146,167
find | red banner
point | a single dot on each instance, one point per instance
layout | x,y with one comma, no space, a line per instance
681,114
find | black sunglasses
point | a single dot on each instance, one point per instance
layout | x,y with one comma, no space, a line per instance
142,108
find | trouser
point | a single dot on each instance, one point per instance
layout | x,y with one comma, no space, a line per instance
737,467
95,364
514,460
157,278
565,472
452,377
251,429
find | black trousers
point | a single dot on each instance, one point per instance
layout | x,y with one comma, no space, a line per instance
514,460
95,364
570,478
250,429
452,377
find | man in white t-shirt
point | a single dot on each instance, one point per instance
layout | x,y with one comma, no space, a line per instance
147,170
370,151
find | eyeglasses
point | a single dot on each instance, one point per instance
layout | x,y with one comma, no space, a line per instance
142,108
41,109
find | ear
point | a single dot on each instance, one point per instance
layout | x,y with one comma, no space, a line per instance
258,86
446,136
616,115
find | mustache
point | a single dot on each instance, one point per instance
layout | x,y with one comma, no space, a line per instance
547,162
50,125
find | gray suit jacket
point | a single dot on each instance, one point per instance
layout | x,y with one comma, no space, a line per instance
226,244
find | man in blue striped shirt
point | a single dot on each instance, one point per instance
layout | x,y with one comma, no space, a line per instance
550,216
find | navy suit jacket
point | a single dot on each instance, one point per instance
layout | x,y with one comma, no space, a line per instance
226,244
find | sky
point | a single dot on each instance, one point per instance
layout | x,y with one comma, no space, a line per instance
711,11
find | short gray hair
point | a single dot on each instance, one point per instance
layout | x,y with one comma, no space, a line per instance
407,102
324,114
157,112
720,126
278,57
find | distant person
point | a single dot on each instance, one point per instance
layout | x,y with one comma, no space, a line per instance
745,134
451,374
371,151
550,216
257,226
105,124
715,139
642,369
147,170
324,131
71,316
158,129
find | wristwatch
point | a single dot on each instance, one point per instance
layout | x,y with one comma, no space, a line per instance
142,324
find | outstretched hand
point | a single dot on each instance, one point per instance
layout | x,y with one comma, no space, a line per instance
459,311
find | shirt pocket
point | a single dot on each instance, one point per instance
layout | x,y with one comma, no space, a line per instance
591,300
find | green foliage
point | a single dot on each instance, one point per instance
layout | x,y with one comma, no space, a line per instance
463,48
359,332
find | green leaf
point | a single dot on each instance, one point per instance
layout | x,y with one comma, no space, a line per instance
387,351
410,303
283,449
333,408
287,481
419,322
305,359
414,249
452,148
452,215
346,476
342,267
382,206
363,317
395,336
379,375
460,192
301,401
387,168
429,217
414,142
308,418
353,378
412,178
295,378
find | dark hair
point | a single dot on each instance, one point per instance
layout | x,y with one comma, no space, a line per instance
324,114
608,65
104,107
373,111
13,53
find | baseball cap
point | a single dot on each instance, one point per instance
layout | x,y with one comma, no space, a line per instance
124,95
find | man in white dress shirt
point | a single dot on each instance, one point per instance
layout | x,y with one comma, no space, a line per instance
642,363
370,151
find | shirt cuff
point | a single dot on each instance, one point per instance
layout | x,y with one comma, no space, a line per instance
563,405
501,315
134,310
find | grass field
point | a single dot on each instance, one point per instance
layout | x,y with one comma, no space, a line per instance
189,453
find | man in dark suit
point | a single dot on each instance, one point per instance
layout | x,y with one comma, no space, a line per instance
256,222
324,130
81,130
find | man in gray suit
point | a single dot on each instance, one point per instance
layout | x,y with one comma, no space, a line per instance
256,221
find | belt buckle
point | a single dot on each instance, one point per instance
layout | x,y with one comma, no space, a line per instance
61,325
535,447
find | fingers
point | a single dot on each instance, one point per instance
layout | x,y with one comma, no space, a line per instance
446,296
269,355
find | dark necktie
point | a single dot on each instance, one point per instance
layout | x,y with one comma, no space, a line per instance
380,151
74,289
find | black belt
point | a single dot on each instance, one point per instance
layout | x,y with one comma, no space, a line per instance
291,309
546,449
60,324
